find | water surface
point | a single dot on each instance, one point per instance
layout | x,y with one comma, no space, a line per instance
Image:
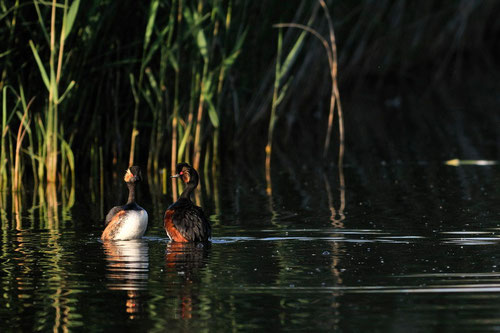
403,246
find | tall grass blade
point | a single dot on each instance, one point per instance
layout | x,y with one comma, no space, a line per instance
71,17
272,119
41,21
41,67
201,41
153,9
183,142
68,89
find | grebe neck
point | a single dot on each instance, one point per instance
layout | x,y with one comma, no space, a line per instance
186,194
131,192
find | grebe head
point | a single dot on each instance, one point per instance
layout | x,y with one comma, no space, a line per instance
188,174
133,175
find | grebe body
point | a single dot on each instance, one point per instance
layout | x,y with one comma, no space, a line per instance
183,220
130,220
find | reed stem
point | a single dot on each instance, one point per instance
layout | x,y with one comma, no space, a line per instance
272,120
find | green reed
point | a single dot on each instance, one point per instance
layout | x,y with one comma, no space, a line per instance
330,47
44,132
52,78
53,141
3,140
153,83
195,126
279,92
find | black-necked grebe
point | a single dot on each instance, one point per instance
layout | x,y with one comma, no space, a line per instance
130,220
184,221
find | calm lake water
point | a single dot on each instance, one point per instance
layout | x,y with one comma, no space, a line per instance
401,247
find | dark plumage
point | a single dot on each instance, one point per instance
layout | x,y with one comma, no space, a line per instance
184,221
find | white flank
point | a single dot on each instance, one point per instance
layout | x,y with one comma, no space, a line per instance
133,226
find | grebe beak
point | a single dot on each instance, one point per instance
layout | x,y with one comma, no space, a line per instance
175,176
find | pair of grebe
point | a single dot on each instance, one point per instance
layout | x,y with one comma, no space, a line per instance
183,220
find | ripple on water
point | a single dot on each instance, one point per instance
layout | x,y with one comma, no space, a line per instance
470,237
328,235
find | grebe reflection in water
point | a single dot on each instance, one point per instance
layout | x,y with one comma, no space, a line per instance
184,264
128,270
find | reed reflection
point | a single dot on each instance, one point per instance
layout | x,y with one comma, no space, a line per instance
128,270
184,263
337,218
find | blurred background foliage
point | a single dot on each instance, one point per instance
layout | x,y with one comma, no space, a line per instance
155,82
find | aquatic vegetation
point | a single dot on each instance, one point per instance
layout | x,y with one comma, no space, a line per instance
156,82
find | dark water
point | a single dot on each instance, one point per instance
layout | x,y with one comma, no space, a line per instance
402,247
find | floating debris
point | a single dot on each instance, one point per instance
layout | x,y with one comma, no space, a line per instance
457,162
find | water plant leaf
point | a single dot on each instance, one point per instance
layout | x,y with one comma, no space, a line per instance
182,145
212,113
6,120
173,61
3,54
70,17
207,96
154,84
53,85
70,86
146,93
69,154
31,154
132,85
41,128
41,22
153,9
41,68
149,55
283,90
207,87
229,60
188,17
194,21
292,55
4,111
201,41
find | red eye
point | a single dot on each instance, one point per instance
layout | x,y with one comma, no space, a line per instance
181,173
